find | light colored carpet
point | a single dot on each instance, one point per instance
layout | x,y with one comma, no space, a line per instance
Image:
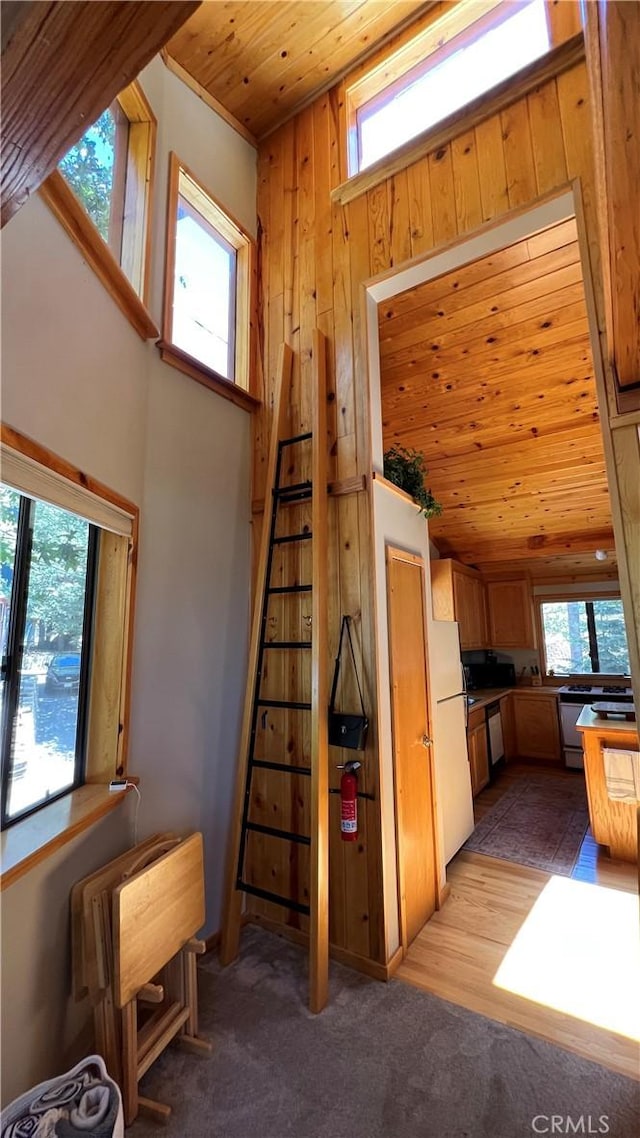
382,1061
539,821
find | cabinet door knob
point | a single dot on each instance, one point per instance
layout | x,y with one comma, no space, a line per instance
426,741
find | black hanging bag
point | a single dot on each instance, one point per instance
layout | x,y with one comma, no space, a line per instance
348,731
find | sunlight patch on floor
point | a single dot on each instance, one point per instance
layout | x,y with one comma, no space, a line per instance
578,952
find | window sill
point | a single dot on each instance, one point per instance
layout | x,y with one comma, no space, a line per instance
67,209
555,62
204,375
37,837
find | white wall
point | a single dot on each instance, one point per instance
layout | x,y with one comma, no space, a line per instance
77,378
395,522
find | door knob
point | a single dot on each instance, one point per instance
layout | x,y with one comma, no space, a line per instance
426,741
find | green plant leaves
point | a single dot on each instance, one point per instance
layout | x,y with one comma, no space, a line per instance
407,470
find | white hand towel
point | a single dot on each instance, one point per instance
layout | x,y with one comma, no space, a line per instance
622,774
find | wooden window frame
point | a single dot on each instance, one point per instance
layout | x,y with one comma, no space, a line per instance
127,276
439,39
184,184
457,26
34,837
592,593
220,240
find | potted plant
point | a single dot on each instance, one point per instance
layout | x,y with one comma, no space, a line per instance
407,470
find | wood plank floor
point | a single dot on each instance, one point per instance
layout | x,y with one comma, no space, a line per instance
555,957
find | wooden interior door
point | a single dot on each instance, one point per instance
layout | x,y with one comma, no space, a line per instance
413,762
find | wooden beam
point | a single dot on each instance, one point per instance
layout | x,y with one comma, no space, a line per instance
613,60
342,487
539,545
319,860
231,919
74,219
62,64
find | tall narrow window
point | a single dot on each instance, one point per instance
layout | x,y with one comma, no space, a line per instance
207,285
95,169
204,292
101,195
47,573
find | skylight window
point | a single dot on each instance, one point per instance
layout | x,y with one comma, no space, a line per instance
480,56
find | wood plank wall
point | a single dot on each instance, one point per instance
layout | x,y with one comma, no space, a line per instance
314,256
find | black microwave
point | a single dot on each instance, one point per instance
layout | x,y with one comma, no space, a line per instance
491,676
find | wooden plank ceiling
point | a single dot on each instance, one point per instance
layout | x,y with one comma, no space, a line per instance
488,371
579,567
262,60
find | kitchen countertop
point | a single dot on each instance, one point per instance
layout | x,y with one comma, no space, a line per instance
484,696
589,721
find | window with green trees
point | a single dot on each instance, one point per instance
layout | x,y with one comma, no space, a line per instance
102,187
585,636
46,605
95,169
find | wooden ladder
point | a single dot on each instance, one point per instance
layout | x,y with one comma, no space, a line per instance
318,839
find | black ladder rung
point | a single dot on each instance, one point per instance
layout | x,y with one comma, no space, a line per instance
289,589
288,768
273,832
303,496
287,644
292,537
264,894
291,704
292,488
295,439
296,492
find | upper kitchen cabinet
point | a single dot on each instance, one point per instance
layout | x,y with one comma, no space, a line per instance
510,614
459,594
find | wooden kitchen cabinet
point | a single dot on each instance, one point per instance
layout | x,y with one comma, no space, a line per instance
478,751
510,614
458,594
537,726
613,822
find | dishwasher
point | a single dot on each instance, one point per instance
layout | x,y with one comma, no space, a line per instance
495,738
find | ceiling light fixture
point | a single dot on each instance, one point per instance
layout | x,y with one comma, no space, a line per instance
601,555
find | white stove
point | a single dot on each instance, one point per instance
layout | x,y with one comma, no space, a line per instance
587,693
573,697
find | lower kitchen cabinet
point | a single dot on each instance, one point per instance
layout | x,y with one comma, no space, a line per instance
537,727
478,751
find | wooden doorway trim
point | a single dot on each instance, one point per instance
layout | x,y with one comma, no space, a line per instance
396,554
620,432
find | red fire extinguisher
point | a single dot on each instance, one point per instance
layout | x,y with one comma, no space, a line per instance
349,802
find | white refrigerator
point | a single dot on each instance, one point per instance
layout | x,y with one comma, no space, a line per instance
449,704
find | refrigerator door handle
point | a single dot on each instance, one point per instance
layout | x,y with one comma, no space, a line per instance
466,701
